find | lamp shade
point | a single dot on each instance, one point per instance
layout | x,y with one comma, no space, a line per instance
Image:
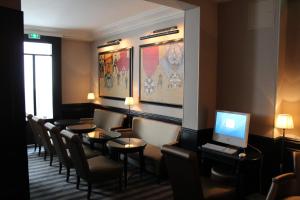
284,121
129,101
91,96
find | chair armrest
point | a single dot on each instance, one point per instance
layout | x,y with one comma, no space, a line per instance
280,185
173,143
116,128
283,177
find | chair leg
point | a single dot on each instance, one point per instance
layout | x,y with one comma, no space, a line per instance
40,148
89,190
45,155
51,158
60,167
120,183
77,182
68,174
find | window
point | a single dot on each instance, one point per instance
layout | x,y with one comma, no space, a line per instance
41,72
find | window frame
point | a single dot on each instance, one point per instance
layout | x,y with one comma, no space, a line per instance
56,70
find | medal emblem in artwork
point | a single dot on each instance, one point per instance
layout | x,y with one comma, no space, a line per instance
162,70
114,73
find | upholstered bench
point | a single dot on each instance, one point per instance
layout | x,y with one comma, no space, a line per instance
155,134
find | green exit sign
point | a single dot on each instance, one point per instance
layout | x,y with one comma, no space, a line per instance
34,36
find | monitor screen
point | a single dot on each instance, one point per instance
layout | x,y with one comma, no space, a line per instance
232,128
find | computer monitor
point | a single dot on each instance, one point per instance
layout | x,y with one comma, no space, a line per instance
232,128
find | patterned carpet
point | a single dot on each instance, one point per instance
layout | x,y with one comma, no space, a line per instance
47,184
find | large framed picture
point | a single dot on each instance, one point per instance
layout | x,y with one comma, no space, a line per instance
115,73
162,73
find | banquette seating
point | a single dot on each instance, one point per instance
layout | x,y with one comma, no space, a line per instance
106,120
155,134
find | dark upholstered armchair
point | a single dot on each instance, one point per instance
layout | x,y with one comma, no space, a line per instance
92,170
183,170
36,134
62,150
287,186
45,138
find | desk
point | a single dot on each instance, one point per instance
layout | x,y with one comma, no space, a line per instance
101,136
125,146
247,170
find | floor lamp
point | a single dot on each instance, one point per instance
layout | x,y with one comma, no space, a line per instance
283,121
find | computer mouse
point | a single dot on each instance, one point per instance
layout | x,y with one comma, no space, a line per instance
242,155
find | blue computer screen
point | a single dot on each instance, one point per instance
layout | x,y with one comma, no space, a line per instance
231,124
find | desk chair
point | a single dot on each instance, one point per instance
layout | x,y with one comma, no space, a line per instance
183,170
287,186
92,170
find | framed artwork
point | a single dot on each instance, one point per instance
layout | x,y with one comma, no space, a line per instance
162,73
115,73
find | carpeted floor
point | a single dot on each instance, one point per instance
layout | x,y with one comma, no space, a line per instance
47,184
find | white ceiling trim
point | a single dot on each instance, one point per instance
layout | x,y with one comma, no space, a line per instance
63,33
138,21
128,24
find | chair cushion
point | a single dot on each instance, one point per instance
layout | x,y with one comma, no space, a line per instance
102,167
155,132
152,152
89,153
214,190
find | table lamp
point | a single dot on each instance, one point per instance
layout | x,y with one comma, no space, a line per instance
129,102
283,121
91,96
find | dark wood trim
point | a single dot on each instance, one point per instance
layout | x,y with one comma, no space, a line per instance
135,113
140,49
130,49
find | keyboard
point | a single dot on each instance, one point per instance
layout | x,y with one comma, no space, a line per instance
215,147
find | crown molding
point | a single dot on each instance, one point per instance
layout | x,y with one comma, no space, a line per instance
140,21
83,35
136,22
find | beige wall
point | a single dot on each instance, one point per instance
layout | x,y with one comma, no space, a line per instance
207,62
76,69
131,39
289,76
14,4
247,61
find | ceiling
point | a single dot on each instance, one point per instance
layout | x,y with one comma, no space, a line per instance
82,17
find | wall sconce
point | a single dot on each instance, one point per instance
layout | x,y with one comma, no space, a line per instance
110,43
161,32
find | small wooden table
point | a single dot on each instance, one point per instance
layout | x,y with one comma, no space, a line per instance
125,146
62,123
101,136
81,128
